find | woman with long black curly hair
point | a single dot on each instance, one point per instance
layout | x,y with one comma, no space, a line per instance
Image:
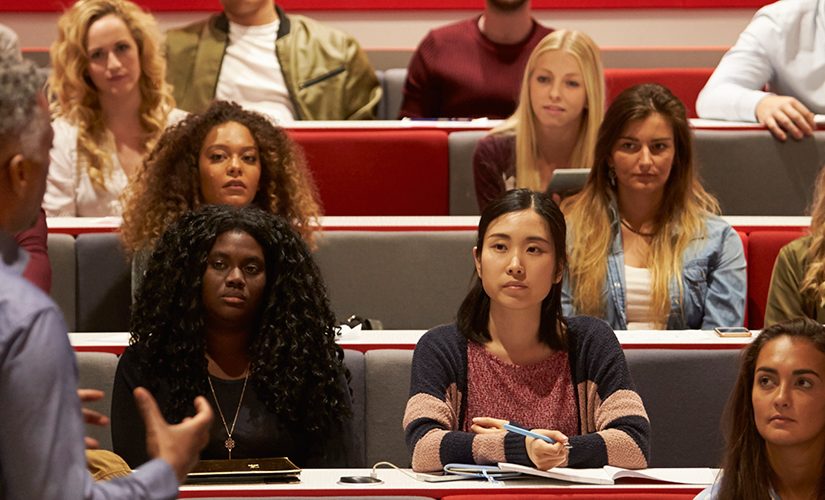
234,308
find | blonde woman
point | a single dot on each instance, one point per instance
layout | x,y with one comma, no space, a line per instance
110,101
561,104
798,281
646,248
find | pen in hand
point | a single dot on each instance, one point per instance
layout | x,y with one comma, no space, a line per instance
534,435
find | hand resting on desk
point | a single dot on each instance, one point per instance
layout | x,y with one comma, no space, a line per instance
543,455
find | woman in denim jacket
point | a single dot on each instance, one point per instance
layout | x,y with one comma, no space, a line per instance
647,249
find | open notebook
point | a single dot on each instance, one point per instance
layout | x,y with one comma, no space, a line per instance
609,475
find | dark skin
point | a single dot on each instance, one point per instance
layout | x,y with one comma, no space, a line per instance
233,286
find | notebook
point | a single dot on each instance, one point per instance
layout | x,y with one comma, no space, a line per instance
609,475
260,470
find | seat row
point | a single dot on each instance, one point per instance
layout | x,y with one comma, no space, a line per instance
685,429
685,82
428,171
410,279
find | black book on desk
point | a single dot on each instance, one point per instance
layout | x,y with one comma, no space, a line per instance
251,470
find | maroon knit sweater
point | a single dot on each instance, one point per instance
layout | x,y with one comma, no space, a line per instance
456,72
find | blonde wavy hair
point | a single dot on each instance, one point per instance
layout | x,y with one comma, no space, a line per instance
74,96
680,220
813,283
523,121
168,184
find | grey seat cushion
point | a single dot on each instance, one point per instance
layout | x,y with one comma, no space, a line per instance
96,370
685,393
408,280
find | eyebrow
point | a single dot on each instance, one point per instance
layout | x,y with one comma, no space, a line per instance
508,237
653,140
802,371
572,73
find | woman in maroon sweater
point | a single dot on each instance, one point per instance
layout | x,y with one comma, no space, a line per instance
511,356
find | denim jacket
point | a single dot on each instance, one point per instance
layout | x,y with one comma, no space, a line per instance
713,279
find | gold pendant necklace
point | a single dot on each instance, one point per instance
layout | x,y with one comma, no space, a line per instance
229,444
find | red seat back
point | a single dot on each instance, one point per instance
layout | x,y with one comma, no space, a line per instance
685,83
763,247
378,172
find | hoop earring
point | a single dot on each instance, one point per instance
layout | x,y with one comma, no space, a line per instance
611,176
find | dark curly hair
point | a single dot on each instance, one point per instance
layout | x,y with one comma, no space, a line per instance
168,185
296,365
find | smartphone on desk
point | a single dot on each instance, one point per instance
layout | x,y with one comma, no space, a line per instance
732,331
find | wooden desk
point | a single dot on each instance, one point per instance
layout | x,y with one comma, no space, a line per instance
324,482
116,342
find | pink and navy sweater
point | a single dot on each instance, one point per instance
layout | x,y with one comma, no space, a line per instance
613,426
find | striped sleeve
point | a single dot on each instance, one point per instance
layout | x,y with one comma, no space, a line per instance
615,429
435,409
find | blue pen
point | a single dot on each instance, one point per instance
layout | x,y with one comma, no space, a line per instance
525,432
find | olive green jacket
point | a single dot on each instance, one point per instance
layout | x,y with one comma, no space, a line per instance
326,72
784,298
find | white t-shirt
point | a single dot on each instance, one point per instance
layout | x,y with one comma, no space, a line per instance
639,292
251,73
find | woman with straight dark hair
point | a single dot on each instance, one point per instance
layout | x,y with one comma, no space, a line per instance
511,356
775,418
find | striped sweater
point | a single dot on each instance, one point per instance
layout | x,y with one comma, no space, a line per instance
613,426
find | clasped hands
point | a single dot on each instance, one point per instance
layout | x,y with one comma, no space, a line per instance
543,455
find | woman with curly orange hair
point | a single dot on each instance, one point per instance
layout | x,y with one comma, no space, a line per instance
111,103
225,156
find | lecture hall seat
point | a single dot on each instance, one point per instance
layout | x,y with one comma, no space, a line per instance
763,248
381,172
685,83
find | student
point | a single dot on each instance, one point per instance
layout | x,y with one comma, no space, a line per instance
798,280
287,66
775,418
646,248
560,108
226,155
774,73
512,356
472,68
111,103
234,307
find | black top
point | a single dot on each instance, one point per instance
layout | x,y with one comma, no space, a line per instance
258,433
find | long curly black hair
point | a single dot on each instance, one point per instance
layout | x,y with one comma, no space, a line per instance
295,367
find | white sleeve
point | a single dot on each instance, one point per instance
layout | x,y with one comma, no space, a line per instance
61,185
735,88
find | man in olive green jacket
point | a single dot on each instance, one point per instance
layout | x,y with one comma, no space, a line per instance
318,73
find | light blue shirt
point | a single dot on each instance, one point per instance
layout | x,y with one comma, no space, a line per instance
712,492
714,281
41,436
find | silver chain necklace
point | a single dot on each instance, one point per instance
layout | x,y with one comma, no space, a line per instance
229,444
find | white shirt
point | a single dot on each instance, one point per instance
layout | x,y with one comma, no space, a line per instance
783,47
69,189
638,287
251,73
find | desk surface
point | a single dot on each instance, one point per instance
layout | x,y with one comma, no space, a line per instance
324,482
77,225
363,341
